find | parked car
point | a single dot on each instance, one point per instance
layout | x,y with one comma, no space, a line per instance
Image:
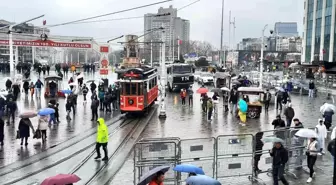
206,78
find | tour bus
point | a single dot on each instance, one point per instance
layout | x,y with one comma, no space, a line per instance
180,76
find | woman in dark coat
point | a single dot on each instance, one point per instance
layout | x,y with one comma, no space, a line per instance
24,129
2,125
26,87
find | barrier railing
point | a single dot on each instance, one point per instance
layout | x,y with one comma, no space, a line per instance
228,158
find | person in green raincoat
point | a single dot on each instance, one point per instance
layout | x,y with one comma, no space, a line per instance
102,138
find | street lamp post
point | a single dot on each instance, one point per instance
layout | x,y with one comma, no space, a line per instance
262,56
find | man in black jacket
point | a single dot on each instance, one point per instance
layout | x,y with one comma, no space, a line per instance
280,158
278,122
234,96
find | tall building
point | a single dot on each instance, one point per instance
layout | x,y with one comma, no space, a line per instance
174,28
286,29
319,31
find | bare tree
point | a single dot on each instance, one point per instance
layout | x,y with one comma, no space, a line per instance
202,48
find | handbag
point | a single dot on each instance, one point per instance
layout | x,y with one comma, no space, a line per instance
37,134
18,134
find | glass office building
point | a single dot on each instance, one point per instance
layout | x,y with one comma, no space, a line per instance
286,29
319,31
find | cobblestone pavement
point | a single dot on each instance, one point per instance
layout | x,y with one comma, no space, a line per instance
189,122
58,133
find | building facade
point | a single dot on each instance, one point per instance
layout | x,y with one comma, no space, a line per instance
318,31
175,28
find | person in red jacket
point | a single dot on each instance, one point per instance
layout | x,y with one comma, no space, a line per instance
183,95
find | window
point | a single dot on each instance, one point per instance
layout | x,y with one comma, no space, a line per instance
140,89
133,88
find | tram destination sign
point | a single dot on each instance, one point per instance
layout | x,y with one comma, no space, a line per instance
48,43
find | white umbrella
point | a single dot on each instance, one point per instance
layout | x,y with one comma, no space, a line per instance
306,133
80,76
2,96
225,89
327,107
73,84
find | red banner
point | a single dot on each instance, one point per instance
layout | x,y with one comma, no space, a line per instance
48,43
104,49
103,71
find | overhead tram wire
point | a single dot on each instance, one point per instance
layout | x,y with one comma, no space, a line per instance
103,15
130,18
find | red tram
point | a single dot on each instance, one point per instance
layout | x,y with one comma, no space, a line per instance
138,89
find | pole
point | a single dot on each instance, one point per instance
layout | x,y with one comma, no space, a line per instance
86,56
173,46
262,56
234,33
78,56
230,30
33,55
178,48
171,38
162,113
151,53
221,42
11,52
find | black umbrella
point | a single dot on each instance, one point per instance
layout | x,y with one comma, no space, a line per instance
146,178
216,90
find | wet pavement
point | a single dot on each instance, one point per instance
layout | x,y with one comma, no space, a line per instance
188,122
185,122
58,133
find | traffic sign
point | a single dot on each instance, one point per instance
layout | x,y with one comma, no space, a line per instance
104,63
103,71
73,68
104,49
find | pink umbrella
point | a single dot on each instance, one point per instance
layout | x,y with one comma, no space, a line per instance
28,114
61,179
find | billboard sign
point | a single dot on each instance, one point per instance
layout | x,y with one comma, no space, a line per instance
47,43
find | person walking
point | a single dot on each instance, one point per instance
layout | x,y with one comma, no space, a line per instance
183,95
226,101
26,87
102,139
321,131
24,129
94,108
8,84
210,108
43,126
101,95
68,106
279,125
32,89
234,100
93,87
215,102
297,143
52,117
312,151
85,90
190,95
38,86
289,114
268,97
11,107
258,151
279,98
204,99
280,158
311,89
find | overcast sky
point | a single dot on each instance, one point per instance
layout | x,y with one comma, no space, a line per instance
204,16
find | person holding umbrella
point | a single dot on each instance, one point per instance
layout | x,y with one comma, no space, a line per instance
24,129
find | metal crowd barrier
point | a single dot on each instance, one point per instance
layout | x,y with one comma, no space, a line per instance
228,158
234,158
150,153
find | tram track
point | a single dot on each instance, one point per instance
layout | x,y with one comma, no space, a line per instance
26,175
82,165
4,170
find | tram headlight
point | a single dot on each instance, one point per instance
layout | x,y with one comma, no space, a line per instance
130,101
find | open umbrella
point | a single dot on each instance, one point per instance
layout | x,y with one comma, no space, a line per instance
80,76
235,82
26,80
242,105
225,89
146,178
61,179
202,180
73,84
66,91
189,168
28,114
327,107
216,90
272,140
89,81
46,111
202,90
306,133
280,89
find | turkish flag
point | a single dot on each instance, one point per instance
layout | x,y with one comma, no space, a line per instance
179,42
44,22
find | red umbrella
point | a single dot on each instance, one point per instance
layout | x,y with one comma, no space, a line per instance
202,90
61,179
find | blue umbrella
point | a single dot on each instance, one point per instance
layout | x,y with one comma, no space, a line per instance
188,168
202,180
67,91
146,178
46,111
242,105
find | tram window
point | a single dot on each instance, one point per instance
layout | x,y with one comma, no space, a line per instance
140,89
127,89
133,89
150,84
155,81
